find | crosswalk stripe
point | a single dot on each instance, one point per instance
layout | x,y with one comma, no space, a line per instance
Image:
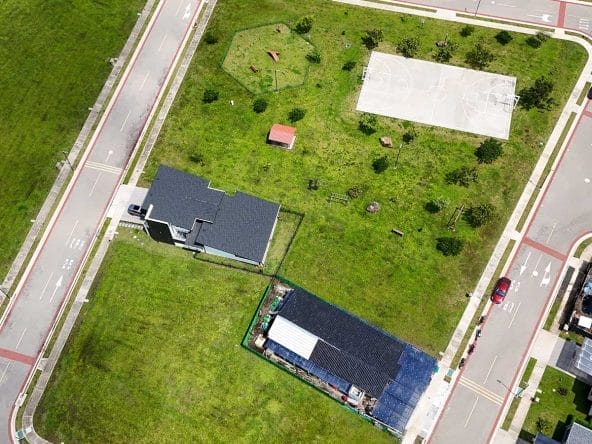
480,390
103,167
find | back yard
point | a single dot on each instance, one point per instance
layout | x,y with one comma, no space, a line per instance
341,252
157,358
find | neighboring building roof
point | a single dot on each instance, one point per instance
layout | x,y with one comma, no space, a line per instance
584,357
282,134
578,434
240,225
348,350
543,439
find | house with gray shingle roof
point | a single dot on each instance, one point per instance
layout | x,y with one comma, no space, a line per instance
183,210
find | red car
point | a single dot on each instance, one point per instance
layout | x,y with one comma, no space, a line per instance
500,290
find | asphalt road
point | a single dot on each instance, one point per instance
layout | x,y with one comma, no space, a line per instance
489,377
544,12
51,273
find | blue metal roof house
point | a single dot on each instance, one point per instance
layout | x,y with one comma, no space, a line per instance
182,209
374,373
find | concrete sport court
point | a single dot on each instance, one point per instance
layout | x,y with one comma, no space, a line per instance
437,94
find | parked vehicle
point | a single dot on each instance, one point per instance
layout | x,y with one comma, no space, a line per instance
135,210
500,290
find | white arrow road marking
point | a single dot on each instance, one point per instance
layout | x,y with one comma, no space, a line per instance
58,285
471,413
523,266
515,313
535,272
4,373
544,17
187,11
20,339
516,286
45,288
109,154
547,276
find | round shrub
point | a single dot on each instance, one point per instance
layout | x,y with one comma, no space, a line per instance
449,246
259,105
489,150
380,165
296,114
210,95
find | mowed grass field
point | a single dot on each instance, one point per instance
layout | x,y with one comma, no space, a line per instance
157,358
53,63
342,253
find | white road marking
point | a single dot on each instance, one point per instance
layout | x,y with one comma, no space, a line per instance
509,306
535,272
547,276
58,285
102,167
471,413
544,17
162,43
125,120
523,266
490,368
144,81
506,5
516,286
179,8
92,190
551,233
187,11
72,231
20,339
4,373
46,284
515,313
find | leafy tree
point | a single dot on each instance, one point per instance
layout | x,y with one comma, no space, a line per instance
538,95
449,246
408,46
479,215
533,42
462,176
479,57
259,105
504,37
436,205
489,150
372,38
445,53
304,25
543,425
349,65
380,165
296,114
210,95
210,38
409,136
314,56
368,123
197,157
467,30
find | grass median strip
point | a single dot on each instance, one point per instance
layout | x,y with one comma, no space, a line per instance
516,400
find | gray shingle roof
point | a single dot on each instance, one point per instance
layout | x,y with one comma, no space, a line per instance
578,435
180,198
241,225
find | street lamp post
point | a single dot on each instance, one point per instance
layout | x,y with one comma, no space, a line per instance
477,8
67,160
518,393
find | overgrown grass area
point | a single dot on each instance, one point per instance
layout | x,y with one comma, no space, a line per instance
342,252
249,62
562,401
54,60
157,358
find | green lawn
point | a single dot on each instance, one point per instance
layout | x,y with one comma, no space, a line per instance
342,253
157,358
562,401
53,63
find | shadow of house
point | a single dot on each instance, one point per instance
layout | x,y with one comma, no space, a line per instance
182,210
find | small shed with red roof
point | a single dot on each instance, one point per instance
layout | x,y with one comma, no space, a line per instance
282,135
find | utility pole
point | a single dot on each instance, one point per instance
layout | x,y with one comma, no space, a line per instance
477,8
